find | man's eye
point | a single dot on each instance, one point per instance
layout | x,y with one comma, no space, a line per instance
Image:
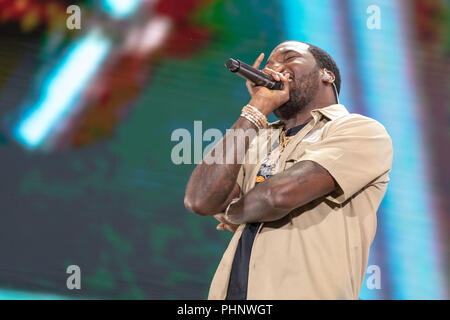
290,58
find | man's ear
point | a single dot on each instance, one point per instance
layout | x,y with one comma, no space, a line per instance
327,76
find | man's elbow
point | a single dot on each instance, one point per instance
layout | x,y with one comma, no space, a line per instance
197,206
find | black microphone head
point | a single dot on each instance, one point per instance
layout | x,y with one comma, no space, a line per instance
232,64
252,74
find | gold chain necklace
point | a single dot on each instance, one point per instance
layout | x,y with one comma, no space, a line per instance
283,139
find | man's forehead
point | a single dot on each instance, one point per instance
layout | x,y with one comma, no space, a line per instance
297,46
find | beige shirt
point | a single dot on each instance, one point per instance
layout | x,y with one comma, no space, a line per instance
319,250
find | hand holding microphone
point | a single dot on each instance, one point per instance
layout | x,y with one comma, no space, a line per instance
268,88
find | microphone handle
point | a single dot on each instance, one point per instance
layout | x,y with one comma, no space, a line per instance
256,76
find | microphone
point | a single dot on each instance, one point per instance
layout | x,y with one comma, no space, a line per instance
259,78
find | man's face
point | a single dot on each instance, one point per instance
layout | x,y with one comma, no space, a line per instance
294,58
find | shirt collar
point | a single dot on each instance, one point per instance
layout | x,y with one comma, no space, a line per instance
332,112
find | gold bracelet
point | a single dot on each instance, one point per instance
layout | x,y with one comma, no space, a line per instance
252,118
249,118
258,114
255,117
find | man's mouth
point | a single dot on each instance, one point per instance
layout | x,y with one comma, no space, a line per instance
291,76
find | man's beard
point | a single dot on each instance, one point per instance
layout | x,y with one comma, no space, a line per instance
300,96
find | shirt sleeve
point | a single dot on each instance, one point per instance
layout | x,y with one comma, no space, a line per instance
355,151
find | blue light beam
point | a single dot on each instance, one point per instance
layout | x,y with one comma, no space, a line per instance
120,9
63,88
388,81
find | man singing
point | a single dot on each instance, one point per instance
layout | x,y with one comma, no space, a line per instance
305,215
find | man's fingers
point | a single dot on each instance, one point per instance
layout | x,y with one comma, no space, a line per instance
275,75
285,79
228,228
258,61
222,226
225,227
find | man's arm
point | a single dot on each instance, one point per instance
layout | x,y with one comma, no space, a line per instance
213,185
272,199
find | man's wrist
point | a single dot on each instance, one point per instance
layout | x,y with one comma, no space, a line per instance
255,116
261,106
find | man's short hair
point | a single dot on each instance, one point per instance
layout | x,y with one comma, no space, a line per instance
324,60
